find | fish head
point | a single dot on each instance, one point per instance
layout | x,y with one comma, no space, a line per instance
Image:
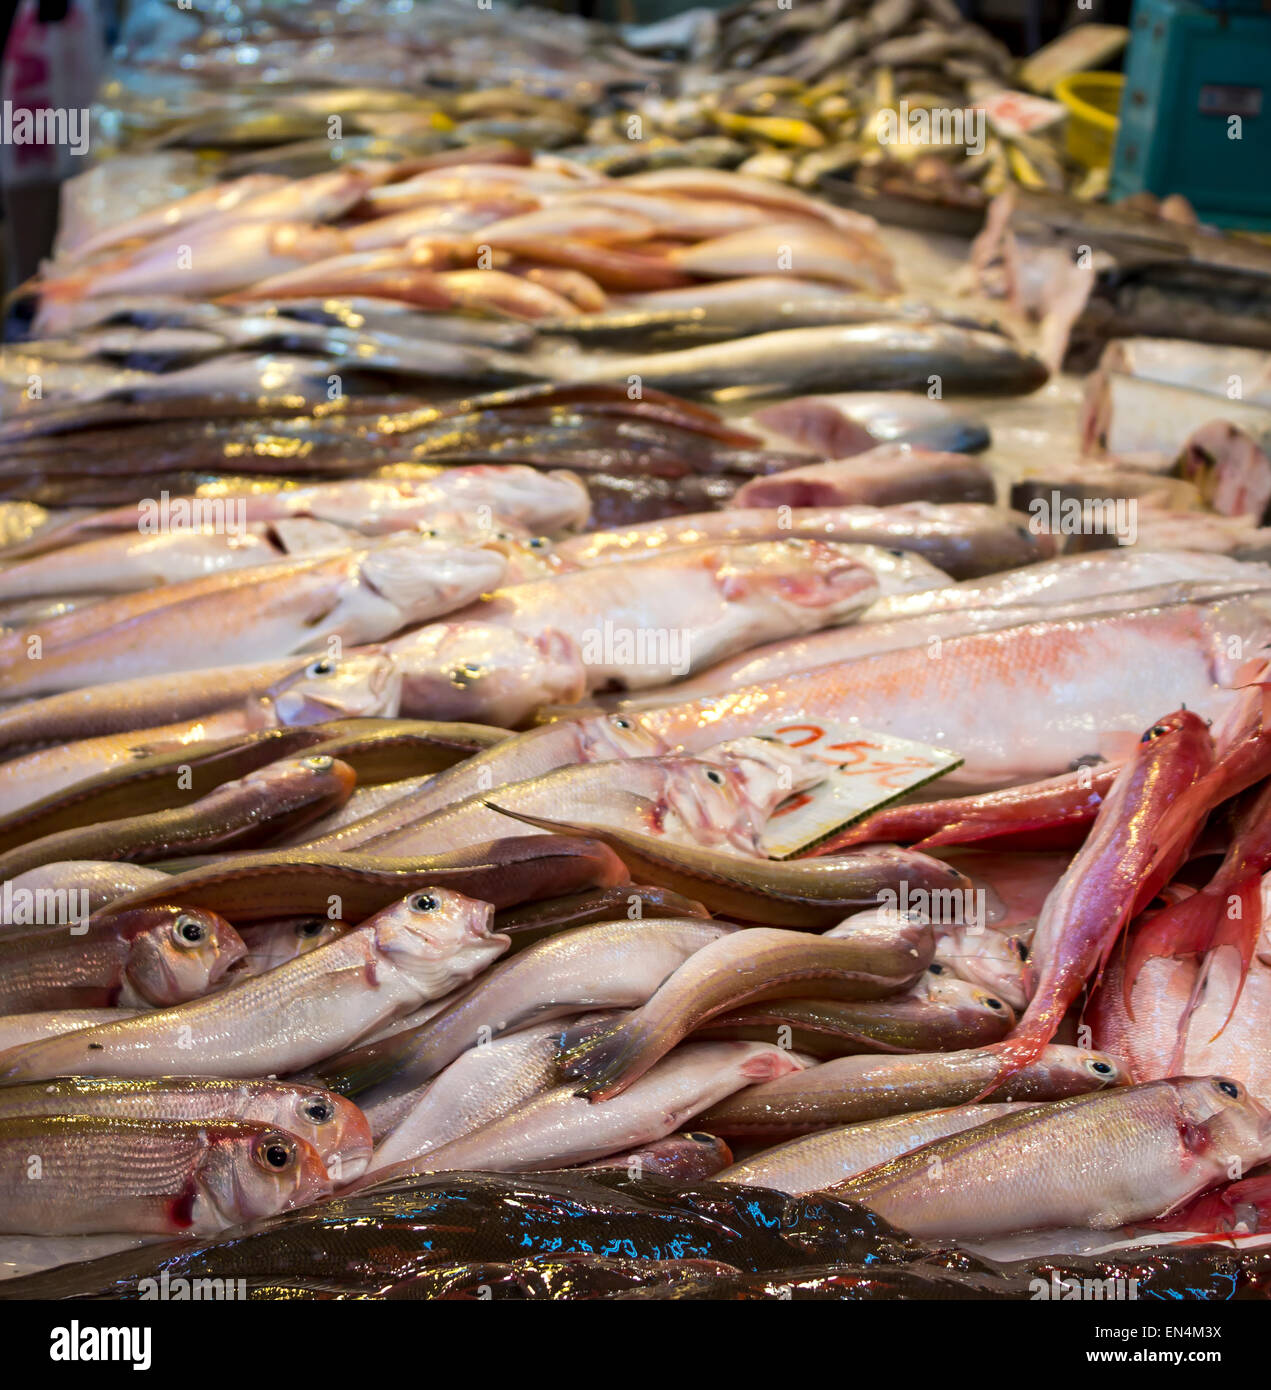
178,953
1075,1071
422,577
610,736
363,683
796,574
471,670
437,937
1222,1119
766,770
312,784
996,961
250,1171
938,986
332,1124
271,944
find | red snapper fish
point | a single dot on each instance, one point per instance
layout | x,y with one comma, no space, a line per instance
1116,872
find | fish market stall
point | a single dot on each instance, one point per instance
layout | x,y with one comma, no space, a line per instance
583,715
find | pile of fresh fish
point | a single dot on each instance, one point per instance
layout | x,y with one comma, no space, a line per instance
795,95
266,331
294,912
446,767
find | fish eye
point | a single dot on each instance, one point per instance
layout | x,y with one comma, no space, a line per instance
319,1110
1154,732
537,543
189,931
424,902
699,1138
1100,1067
992,1003
622,723
324,666
937,969
275,1153
716,777
311,927
1228,1088
320,762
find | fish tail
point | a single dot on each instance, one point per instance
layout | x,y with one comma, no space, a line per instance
606,1063
1013,1055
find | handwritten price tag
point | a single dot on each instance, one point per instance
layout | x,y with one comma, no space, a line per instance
864,771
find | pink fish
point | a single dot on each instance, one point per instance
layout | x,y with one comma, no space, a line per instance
1118,870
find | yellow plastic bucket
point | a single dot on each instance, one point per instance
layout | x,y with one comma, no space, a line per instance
1092,99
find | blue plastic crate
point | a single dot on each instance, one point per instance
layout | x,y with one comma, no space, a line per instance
1196,111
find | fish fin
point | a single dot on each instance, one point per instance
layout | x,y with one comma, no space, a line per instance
606,1063
1014,1054
1241,932
558,827
1185,928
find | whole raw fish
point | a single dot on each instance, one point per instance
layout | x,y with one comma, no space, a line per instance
176,215
545,501
1118,870
1058,807
558,1128
1188,1016
965,540
1071,684
542,642
314,1006
252,614
821,1160
765,892
268,884
940,1013
362,683
854,357
1098,1160
279,797
1228,912
759,963
869,636
157,1177
209,260
123,562
850,1089
1077,578
722,798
